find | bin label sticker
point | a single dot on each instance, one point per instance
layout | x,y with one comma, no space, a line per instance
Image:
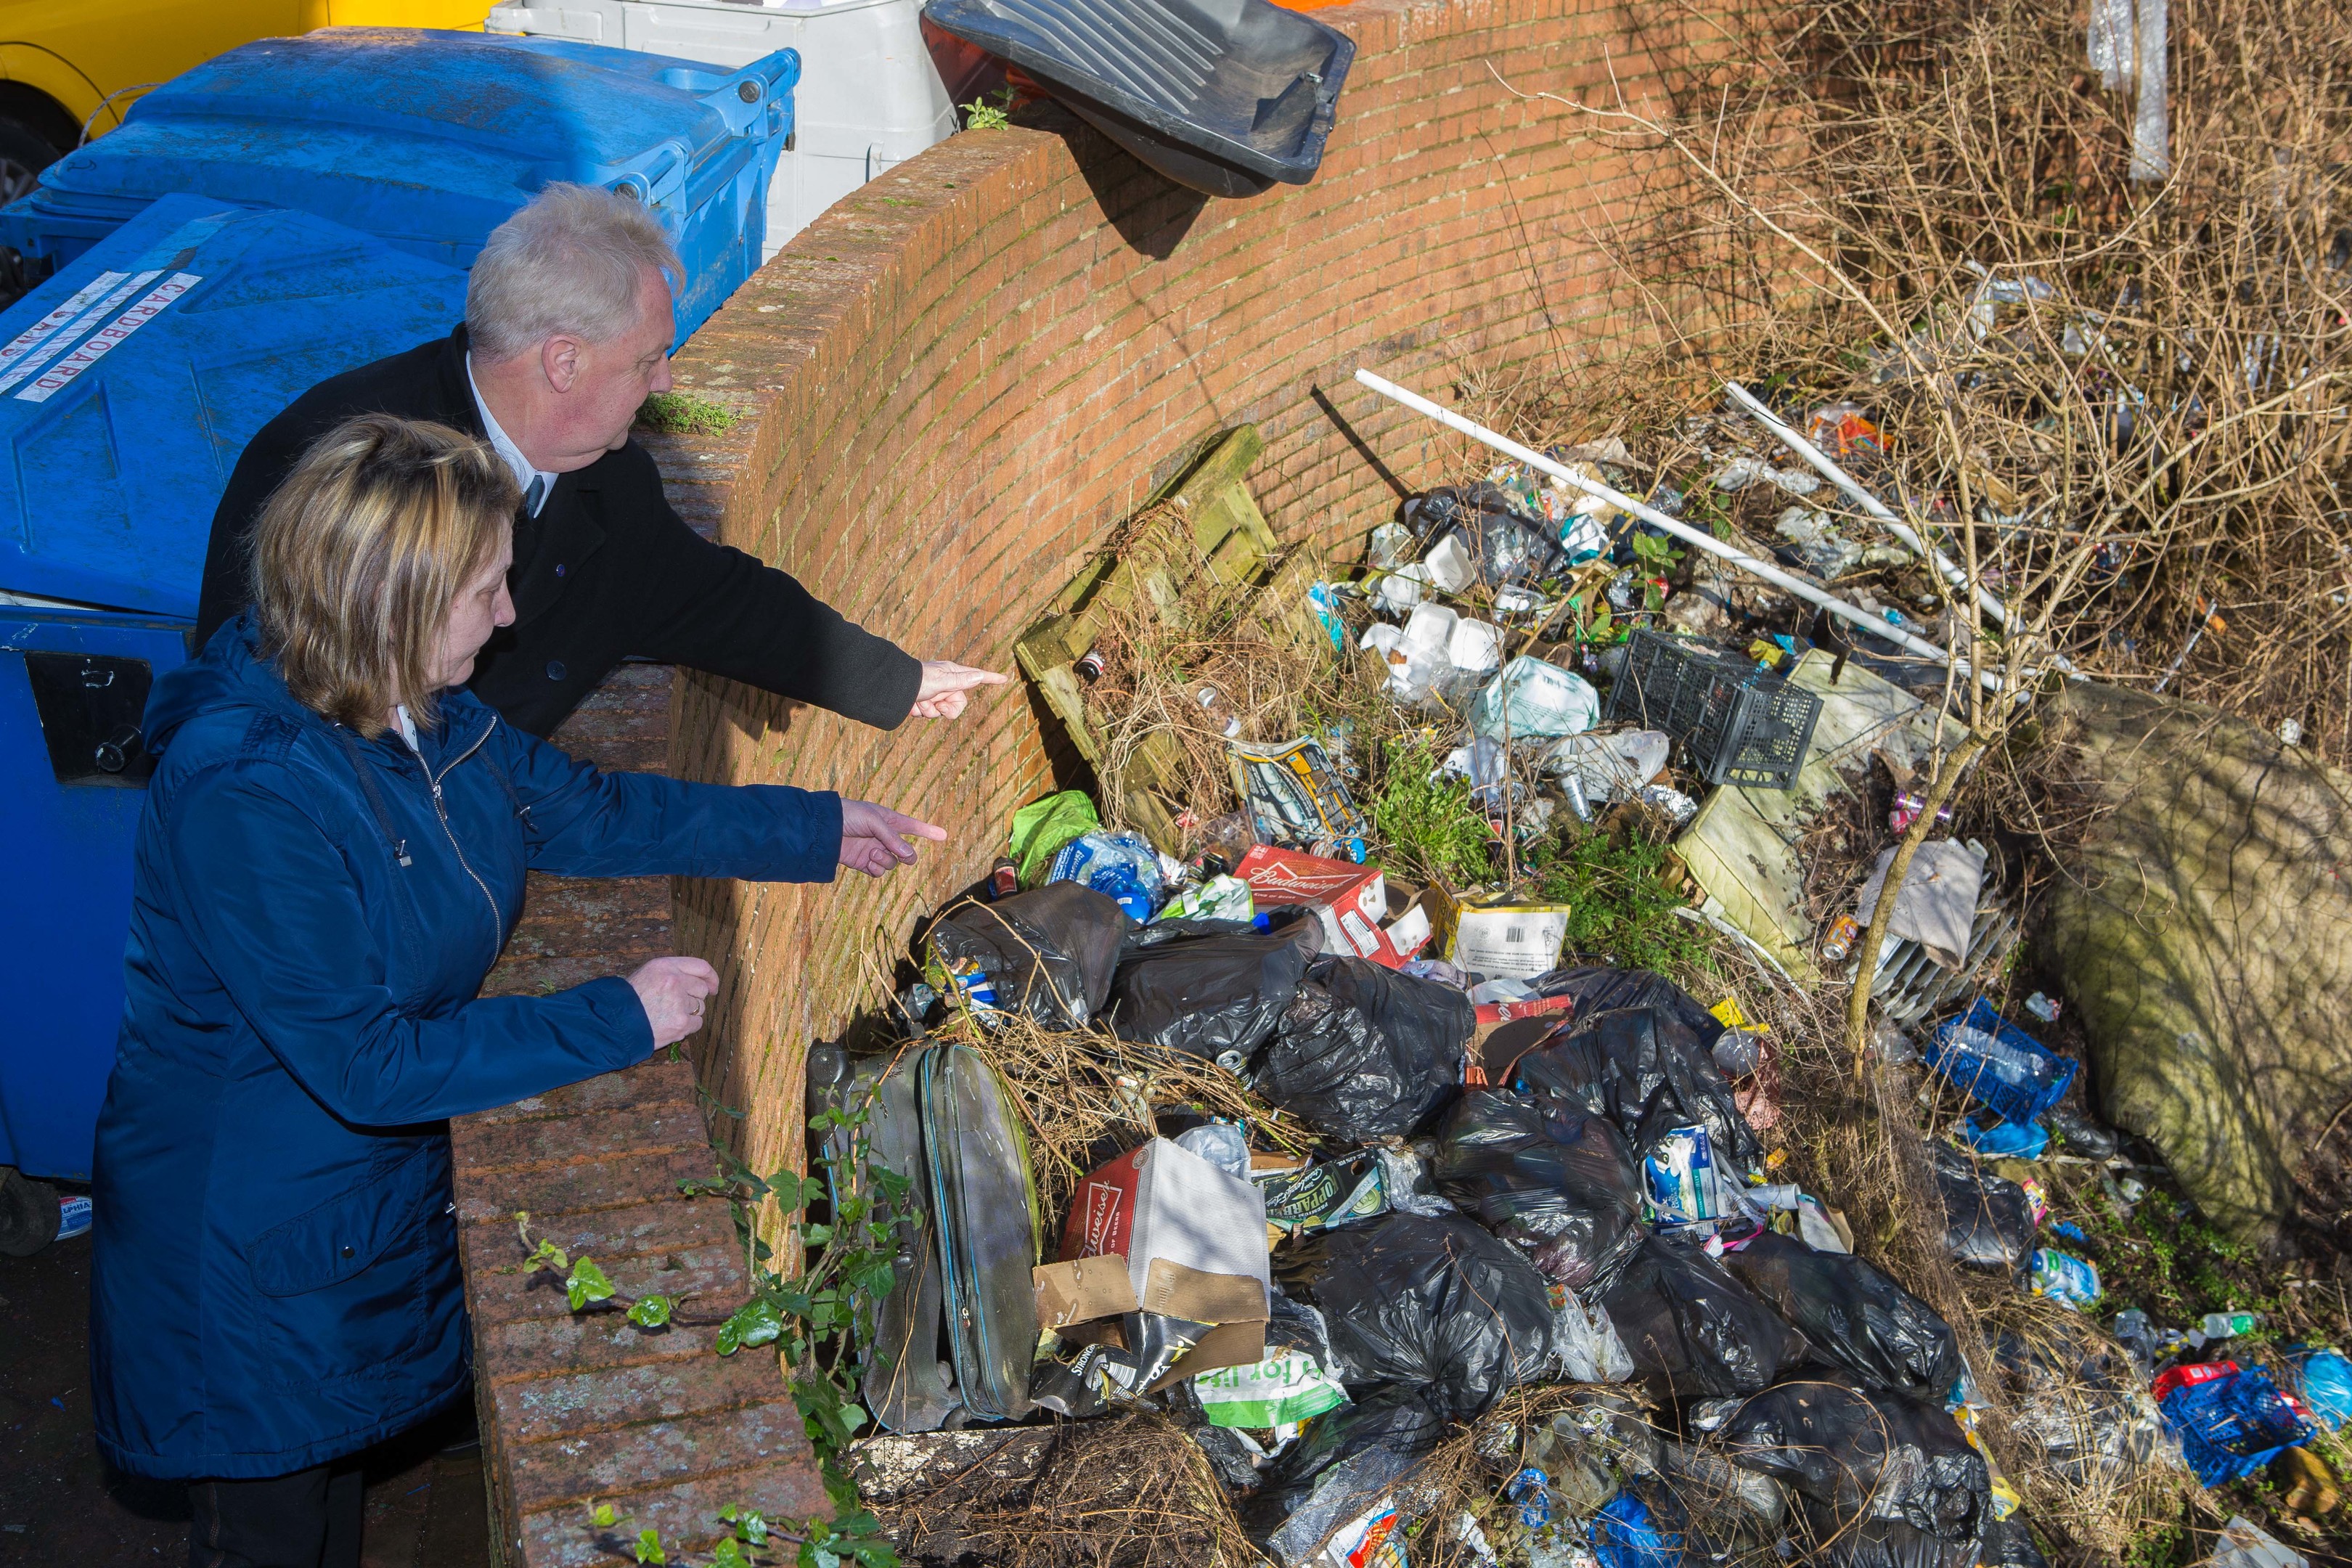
37,357
158,299
15,348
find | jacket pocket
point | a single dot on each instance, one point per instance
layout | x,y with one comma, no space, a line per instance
342,1237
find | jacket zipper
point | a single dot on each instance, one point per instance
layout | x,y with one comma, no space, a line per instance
498,923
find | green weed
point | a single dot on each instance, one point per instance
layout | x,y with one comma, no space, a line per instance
1622,896
1428,823
683,414
981,114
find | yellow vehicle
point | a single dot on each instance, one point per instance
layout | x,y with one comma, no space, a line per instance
69,69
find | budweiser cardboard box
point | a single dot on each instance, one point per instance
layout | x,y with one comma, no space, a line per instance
1350,900
1192,1244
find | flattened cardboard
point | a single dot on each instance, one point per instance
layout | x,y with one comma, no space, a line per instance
1173,1290
1083,1289
1227,1344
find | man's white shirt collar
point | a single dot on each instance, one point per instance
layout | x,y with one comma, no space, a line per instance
503,444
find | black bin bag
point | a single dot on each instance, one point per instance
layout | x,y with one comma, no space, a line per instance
1217,998
1435,1304
1599,988
1049,951
1559,1184
1988,1219
1347,1461
1647,1070
1506,543
1365,1052
2010,1544
1887,1480
1853,1314
1693,1330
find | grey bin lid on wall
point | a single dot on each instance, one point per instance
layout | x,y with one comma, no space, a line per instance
1225,96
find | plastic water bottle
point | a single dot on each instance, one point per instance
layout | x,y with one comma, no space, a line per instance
2229,1325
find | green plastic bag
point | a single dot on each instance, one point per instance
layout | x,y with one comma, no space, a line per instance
1286,1386
1042,827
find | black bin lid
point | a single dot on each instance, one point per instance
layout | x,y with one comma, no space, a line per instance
1225,96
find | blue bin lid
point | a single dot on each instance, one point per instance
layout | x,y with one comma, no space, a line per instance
430,139
130,380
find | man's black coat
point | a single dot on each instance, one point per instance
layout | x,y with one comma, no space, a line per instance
607,569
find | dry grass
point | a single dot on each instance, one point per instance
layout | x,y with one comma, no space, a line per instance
2165,419
1128,1491
1194,651
1087,1096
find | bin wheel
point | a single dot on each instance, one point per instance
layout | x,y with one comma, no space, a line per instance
28,1213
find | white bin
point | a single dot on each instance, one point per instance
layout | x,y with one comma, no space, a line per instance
871,92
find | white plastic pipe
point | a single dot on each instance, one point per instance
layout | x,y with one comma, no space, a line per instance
1698,538
1823,465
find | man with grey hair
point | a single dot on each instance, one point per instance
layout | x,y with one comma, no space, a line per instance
568,330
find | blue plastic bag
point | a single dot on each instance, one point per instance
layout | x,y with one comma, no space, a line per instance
1123,865
1625,1536
2233,1425
2000,1140
2327,1380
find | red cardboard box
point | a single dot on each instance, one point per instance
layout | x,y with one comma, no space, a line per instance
1349,900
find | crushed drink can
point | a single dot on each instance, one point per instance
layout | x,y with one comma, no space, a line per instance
1003,879
1680,1175
1907,808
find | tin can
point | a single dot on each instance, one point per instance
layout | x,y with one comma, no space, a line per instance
1841,937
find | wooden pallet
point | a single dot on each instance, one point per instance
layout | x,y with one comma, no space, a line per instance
1238,544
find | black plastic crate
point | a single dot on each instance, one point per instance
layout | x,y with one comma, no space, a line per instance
1737,724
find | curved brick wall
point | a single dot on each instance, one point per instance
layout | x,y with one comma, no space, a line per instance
951,386
963,375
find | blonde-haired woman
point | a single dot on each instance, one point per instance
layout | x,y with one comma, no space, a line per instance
331,858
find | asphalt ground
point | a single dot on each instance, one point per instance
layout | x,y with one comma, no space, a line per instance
60,1503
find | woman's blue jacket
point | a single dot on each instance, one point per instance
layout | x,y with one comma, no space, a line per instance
274,1280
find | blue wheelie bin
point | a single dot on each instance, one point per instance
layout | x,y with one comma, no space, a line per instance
428,140
129,384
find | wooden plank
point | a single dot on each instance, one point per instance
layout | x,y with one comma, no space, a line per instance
1235,539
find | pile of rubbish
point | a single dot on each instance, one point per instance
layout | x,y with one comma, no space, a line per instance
1441,1242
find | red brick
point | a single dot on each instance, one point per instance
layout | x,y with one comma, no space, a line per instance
569,1405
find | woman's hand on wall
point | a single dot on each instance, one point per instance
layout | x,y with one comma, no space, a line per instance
674,992
876,840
